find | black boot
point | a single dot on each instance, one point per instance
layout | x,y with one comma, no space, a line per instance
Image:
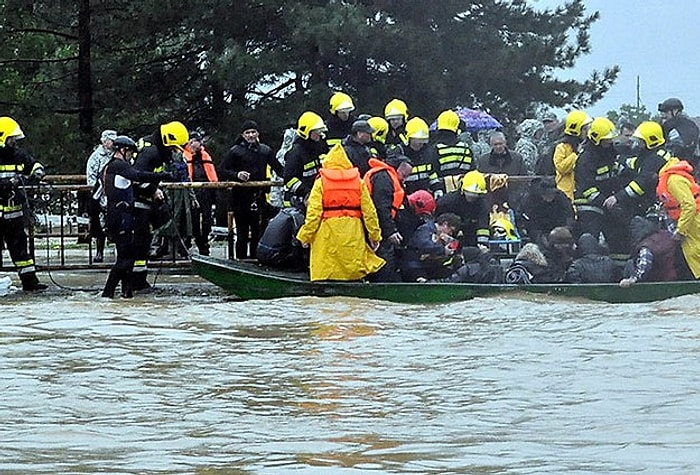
127,292
99,250
112,282
139,282
30,283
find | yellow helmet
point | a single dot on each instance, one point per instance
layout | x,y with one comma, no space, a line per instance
309,121
474,182
341,101
448,120
575,121
396,108
380,126
416,128
9,128
601,128
174,134
502,228
651,133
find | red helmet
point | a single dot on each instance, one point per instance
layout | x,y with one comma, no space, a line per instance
422,202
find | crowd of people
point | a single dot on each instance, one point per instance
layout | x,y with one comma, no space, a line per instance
390,198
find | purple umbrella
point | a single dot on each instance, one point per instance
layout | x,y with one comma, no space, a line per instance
475,119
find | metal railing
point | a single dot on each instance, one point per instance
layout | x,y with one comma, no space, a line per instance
58,231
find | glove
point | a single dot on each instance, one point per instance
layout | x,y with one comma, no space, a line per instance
39,173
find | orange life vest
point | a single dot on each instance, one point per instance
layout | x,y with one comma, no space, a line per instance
399,192
207,164
672,206
342,193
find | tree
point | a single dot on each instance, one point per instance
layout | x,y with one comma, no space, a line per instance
74,68
635,115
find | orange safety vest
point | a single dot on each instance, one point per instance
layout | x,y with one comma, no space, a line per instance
207,163
399,192
672,206
342,193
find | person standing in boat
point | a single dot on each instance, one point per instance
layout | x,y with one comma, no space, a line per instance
303,161
423,156
567,150
247,161
396,114
340,120
339,220
597,177
454,155
641,172
679,194
385,184
120,177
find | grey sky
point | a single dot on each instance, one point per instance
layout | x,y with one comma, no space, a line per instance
655,39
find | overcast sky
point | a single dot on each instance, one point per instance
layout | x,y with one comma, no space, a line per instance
657,40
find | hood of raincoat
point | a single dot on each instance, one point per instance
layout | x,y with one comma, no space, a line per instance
337,159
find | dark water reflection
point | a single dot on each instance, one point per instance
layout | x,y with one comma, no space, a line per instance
197,384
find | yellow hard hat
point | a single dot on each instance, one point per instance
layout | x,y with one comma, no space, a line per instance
502,228
601,128
174,134
448,120
575,121
651,133
416,128
474,182
381,128
341,101
9,128
309,121
396,108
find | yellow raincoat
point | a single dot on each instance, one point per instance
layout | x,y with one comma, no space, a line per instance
564,163
689,220
339,250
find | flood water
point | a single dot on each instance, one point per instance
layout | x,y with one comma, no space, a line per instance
191,382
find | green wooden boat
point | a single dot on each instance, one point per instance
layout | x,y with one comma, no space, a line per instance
249,280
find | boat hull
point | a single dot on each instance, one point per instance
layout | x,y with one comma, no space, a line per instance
248,280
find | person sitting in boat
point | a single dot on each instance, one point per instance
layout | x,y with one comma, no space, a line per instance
479,267
559,249
472,207
654,254
420,209
339,220
593,266
278,247
679,194
430,253
530,266
543,208
385,181
545,263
